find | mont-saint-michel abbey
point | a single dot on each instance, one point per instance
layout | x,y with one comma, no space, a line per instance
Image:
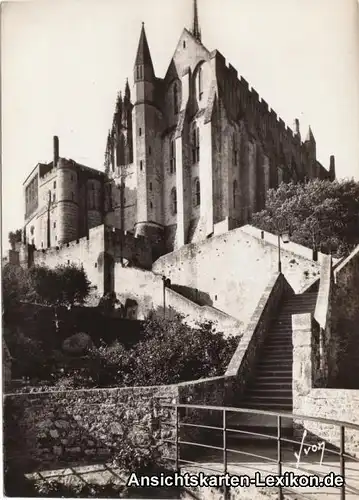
188,156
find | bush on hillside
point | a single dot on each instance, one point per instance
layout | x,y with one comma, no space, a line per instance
168,352
319,214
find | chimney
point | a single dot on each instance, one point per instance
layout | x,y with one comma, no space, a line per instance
332,168
56,150
296,128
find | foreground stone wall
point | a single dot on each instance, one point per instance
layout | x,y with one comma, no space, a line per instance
336,404
81,426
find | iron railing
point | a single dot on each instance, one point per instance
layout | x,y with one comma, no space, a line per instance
221,411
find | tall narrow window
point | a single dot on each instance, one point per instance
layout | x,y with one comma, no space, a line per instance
141,164
234,193
174,201
235,152
172,156
195,145
200,88
175,99
197,193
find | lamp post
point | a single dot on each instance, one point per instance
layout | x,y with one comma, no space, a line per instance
285,237
166,283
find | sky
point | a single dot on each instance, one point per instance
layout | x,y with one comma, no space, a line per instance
63,62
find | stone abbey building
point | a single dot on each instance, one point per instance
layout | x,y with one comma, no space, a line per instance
188,156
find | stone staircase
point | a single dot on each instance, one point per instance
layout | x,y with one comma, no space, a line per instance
271,388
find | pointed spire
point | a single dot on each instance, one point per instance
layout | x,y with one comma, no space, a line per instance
108,152
196,32
143,58
119,103
310,136
109,139
127,92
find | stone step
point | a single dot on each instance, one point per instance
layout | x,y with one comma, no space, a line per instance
283,351
255,405
278,347
271,388
270,398
274,337
282,362
270,372
276,394
277,380
284,336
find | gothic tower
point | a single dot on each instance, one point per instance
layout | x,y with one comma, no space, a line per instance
147,120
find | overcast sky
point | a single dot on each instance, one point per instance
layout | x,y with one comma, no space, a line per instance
63,61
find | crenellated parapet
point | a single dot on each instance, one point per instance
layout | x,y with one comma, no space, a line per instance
243,102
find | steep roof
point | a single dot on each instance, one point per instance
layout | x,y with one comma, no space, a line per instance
143,56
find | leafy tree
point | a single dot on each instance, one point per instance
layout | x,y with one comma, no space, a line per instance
322,215
65,285
15,237
16,286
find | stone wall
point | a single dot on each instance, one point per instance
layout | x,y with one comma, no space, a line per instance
345,320
146,288
339,404
328,344
232,270
84,251
89,252
81,426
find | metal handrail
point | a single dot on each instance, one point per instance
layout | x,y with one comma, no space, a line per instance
288,415
225,410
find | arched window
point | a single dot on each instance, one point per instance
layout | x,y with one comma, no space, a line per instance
172,156
174,201
200,84
175,98
235,185
196,193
